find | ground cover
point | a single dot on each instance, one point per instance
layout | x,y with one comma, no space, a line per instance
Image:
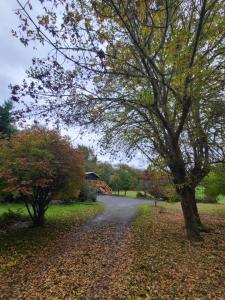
164,265
17,244
131,194
148,259
204,208
199,194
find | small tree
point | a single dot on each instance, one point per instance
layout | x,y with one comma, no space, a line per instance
39,164
125,180
116,183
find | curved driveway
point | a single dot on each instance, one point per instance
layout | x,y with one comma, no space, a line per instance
118,210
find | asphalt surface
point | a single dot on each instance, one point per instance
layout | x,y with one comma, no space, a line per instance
118,210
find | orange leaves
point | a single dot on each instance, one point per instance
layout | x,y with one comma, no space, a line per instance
40,158
166,266
150,260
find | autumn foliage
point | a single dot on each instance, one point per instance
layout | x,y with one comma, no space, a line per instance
39,164
157,183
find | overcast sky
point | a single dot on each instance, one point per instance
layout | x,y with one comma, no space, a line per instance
15,59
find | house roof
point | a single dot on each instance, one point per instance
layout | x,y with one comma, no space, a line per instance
91,175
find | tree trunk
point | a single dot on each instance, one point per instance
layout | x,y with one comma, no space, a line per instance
39,220
125,193
195,209
201,227
190,213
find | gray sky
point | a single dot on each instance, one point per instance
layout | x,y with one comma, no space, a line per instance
15,59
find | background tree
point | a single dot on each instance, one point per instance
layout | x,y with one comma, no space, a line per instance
147,74
115,183
89,157
125,180
7,128
157,183
39,164
214,183
135,175
7,125
104,170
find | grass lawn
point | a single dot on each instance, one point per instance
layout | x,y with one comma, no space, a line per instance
199,194
204,208
131,194
18,243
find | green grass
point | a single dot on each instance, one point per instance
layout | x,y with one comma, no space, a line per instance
216,209
144,213
56,212
199,194
17,243
131,194
4,207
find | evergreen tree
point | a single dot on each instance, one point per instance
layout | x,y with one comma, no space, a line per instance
7,127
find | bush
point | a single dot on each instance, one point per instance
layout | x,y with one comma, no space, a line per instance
87,193
199,199
140,195
6,197
10,217
214,184
144,196
174,198
209,200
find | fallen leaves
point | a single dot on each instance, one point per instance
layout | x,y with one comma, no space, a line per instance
165,265
149,260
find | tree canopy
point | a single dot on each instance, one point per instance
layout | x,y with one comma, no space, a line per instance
148,74
39,165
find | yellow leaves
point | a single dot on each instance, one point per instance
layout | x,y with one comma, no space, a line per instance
145,30
44,20
142,9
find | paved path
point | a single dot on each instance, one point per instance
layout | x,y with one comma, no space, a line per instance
119,210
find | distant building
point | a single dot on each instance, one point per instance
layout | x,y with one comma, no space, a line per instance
101,185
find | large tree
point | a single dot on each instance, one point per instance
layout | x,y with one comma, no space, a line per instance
39,165
148,74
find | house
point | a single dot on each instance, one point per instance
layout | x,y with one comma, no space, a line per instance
101,185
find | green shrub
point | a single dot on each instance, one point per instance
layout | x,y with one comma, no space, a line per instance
10,217
174,198
214,184
207,199
140,195
87,193
199,199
